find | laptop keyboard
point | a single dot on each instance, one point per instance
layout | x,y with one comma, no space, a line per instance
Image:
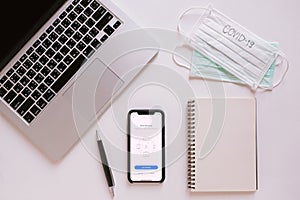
52,60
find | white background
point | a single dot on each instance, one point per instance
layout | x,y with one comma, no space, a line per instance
26,174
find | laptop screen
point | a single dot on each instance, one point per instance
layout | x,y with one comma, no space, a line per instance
19,22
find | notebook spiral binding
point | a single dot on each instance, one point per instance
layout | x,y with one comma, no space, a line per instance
191,143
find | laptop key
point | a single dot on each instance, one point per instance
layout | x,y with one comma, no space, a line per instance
48,95
31,73
51,64
27,64
74,53
56,22
85,3
117,24
90,23
43,60
58,57
68,59
87,39
66,22
65,50
43,36
40,50
23,58
56,46
49,29
104,38
69,8
61,67
14,78
32,85
34,57
93,32
69,32
88,51
24,81
28,117
2,92
71,43
41,103
109,30
63,39
49,81
26,92
17,102
3,79
36,44
47,43
82,18
42,88
37,67
35,110
36,94
77,36
8,85
59,29
68,74
80,46
78,9
39,78
88,11
95,5
17,65
9,72
96,44
63,15
75,2
99,13
84,29
55,74
104,21
53,36
21,71
75,25
72,16
18,87
10,96
29,51
50,53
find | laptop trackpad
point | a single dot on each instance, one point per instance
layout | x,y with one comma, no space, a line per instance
93,89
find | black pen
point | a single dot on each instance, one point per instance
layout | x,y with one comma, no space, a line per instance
106,168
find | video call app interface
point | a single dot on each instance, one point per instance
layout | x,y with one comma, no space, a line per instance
146,147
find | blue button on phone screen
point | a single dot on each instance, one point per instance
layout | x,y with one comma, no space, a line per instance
145,167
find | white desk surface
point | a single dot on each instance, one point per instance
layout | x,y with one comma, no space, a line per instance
26,174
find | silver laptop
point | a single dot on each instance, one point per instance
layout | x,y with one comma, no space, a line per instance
62,62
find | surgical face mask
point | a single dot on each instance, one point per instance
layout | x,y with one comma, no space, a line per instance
205,68
231,46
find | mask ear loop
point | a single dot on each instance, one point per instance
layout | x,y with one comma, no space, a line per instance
283,75
176,61
285,72
179,30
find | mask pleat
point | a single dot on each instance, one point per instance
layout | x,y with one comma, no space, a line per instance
224,56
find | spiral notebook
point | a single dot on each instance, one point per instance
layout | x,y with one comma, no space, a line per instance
222,153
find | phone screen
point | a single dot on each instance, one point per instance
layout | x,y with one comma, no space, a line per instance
146,146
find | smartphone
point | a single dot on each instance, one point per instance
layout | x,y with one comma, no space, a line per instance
146,146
